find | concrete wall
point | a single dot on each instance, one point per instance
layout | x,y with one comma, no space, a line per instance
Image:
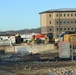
32,48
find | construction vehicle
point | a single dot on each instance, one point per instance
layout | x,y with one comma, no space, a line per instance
70,38
44,38
39,38
49,38
66,37
63,33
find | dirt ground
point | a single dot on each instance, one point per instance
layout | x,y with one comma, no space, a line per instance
41,68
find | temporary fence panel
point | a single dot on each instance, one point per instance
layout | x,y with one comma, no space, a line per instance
64,49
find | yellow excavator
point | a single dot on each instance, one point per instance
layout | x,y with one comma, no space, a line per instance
49,38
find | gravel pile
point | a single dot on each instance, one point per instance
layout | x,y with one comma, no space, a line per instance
71,70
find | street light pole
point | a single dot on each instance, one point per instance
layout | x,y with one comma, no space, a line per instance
59,24
4,44
72,48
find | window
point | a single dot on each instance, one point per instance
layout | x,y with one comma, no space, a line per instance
49,15
61,28
57,15
50,29
57,28
64,15
60,14
57,22
68,28
71,14
75,28
67,14
75,21
68,22
71,21
60,21
57,35
64,21
75,14
64,28
50,22
71,28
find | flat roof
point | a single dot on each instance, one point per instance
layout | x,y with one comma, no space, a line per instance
60,10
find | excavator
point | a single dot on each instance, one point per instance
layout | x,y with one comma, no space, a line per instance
49,38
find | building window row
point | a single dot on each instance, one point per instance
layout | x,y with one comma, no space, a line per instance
66,28
66,22
65,15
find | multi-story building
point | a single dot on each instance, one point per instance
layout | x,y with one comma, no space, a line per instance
57,21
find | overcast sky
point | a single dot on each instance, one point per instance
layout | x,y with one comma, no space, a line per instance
22,14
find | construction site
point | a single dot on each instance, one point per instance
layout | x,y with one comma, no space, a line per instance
42,55
50,52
